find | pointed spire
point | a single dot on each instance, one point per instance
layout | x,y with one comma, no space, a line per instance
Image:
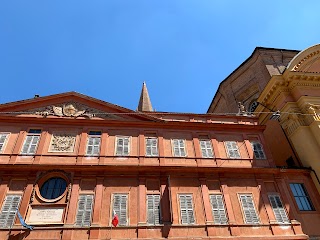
144,102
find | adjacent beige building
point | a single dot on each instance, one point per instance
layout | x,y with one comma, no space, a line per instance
296,93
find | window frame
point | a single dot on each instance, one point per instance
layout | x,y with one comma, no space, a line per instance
227,149
30,134
206,148
306,196
254,206
5,140
93,136
91,210
279,208
224,209
127,208
153,210
61,194
184,147
146,146
116,146
180,209
8,212
264,157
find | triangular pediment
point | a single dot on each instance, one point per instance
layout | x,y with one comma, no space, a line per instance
72,105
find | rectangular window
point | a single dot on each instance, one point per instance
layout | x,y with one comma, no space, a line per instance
249,211
3,139
151,147
186,209
153,209
122,146
258,150
31,142
9,210
232,149
218,210
84,212
120,207
179,149
278,209
206,148
93,144
301,196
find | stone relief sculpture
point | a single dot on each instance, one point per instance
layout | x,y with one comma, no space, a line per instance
62,142
313,109
72,109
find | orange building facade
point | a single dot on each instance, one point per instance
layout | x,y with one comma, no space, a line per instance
71,164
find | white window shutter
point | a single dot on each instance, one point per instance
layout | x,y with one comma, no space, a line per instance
148,147
26,144
30,144
83,217
186,209
249,211
119,146
154,150
93,145
123,146
278,209
9,210
232,149
179,149
151,147
126,146
153,209
218,210
120,207
34,144
206,148
258,150
3,138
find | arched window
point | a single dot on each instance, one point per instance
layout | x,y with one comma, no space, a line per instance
53,188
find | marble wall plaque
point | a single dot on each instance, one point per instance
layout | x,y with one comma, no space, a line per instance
46,215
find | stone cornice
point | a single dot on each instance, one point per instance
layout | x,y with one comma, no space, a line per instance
278,85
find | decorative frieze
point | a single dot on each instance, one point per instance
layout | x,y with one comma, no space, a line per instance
72,110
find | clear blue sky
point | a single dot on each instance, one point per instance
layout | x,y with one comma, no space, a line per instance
105,49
